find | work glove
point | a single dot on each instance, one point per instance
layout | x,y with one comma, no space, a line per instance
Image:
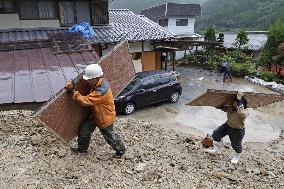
69,86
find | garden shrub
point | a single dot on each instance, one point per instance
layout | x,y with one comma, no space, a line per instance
242,69
268,76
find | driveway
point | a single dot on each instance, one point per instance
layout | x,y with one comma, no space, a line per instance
263,124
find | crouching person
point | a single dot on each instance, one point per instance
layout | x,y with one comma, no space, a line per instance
234,127
101,101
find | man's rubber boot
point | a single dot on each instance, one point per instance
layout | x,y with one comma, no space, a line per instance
78,150
236,158
216,149
118,154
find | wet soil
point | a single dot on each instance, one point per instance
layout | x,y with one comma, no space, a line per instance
263,124
31,157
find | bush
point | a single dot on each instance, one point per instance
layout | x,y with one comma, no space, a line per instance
242,69
268,76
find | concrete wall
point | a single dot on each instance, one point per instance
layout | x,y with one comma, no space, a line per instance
189,29
138,65
8,21
151,60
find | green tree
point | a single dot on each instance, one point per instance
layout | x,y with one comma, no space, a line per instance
241,40
270,50
210,36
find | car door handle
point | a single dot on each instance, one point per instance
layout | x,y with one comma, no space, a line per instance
154,90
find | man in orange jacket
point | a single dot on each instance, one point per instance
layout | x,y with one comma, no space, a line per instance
101,101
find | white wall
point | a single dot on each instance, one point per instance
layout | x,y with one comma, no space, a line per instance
181,30
134,47
8,21
137,47
138,65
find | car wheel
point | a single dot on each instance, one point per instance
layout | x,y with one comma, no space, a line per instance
129,108
174,97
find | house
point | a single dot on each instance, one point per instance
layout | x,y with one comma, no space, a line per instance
52,13
34,59
34,19
177,18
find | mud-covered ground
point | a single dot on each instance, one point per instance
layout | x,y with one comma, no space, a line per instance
263,124
31,157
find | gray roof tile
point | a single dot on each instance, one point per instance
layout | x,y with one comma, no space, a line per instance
171,9
123,23
257,39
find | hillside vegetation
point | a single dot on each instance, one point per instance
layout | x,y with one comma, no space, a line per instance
247,14
225,15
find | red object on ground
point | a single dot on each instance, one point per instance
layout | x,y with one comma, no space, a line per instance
276,69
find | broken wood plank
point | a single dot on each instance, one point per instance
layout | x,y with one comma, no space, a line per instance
62,115
218,98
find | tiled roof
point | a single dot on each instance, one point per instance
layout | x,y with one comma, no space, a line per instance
127,24
172,10
123,23
257,39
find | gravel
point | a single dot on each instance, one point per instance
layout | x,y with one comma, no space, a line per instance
31,157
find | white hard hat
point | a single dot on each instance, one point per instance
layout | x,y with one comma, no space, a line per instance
240,94
92,71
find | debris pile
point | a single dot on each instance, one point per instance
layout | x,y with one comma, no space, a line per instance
31,157
273,85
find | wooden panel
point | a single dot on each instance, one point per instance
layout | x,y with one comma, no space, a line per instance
148,61
217,98
63,116
158,60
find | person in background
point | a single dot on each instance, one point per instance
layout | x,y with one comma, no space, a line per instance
234,127
101,102
226,71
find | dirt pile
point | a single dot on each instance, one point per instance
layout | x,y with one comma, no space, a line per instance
31,157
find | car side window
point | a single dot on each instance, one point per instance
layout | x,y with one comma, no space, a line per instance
148,84
163,80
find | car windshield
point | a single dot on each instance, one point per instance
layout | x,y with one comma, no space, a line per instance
130,86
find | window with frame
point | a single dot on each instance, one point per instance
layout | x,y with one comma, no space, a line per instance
7,6
136,55
37,9
163,22
181,22
72,12
100,14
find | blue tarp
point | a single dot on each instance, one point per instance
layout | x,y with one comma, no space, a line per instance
84,28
